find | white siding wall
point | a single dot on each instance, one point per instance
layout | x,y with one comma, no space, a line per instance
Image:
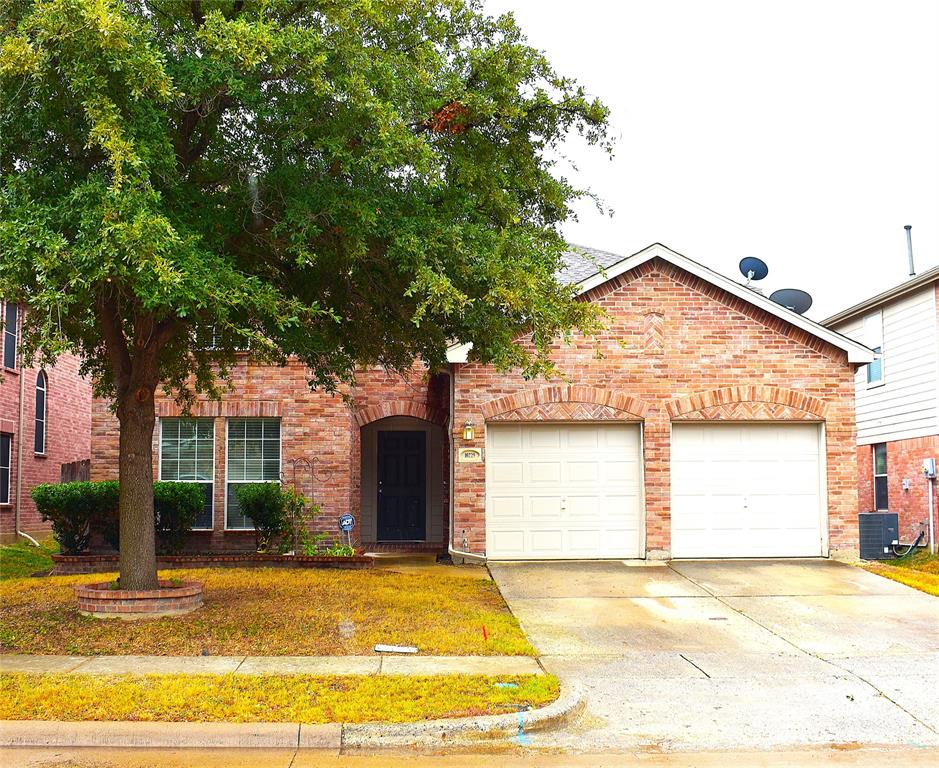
907,403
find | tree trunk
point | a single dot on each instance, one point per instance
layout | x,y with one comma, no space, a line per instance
135,461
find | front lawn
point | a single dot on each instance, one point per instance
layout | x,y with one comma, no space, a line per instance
275,612
23,559
263,698
920,571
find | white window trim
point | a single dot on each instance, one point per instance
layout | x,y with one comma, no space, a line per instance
875,475
879,315
280,460
199,482
16,339
9,468
45,414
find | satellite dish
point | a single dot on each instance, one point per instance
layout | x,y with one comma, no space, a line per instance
792,298
753,268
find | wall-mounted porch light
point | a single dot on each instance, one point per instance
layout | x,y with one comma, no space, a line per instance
469,431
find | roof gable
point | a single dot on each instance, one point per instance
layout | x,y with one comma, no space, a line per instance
605,266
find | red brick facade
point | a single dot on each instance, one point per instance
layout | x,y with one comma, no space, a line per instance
904,462
316,426
68,434
676,347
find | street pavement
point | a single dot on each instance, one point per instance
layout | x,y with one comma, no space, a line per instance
806,758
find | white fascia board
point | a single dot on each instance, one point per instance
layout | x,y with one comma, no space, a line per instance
857,353
459,353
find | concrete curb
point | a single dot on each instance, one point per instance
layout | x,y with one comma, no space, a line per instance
39,733
334,737
464,731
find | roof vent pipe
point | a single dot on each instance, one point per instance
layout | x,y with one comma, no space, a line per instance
909,248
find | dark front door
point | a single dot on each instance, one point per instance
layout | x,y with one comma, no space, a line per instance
402,486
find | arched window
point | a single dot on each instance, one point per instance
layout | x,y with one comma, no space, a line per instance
41,391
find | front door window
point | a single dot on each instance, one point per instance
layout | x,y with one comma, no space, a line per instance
402,486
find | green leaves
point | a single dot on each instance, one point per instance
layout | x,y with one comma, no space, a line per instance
349,183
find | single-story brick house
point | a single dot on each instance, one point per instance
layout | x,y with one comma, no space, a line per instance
705,421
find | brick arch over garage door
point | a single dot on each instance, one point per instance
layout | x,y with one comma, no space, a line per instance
748,403
400,408
565,403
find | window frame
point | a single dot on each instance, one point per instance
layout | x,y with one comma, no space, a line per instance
6,437
198,482
43,377
876,342
280,461
880,476
15,334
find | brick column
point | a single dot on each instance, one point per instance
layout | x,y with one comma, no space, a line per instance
656,440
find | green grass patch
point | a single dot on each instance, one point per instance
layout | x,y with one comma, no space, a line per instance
266,698
919,570
22,559
276,612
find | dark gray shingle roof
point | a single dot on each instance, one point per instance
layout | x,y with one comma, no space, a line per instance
581,262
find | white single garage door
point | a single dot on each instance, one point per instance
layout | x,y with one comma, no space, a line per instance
746,490
557,491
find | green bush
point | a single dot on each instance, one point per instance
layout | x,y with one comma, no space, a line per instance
281,517
74,508
77,509
266,506
175,508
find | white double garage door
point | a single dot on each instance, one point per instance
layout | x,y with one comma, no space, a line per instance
575,491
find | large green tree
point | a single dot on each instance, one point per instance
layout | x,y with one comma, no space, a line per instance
345,181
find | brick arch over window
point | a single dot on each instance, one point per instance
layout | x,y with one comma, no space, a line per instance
748,403
388,408
565,403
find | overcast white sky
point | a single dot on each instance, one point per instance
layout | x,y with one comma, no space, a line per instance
805,133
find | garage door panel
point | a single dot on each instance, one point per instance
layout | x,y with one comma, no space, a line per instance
544,472
748,490
544,438
545,508
579,486
508,472
583,471
507,508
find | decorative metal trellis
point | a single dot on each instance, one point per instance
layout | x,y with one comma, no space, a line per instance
300,469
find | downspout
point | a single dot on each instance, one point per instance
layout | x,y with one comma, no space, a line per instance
19,457
451,550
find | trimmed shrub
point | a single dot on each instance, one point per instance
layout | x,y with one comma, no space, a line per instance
175,508
73,508
77,509
266,506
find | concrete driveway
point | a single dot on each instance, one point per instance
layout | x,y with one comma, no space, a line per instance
732,654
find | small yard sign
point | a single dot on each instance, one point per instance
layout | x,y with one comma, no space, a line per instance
346,522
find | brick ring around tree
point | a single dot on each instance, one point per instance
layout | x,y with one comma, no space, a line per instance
171,599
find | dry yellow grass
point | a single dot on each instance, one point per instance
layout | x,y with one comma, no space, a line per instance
923,581
920,571
276,698
274,612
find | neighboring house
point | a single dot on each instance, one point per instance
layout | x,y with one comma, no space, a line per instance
45,422
897,397
705,421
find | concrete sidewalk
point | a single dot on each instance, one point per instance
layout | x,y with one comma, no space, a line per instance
495,666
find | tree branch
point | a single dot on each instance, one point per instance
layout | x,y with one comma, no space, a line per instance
195,10
115,344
